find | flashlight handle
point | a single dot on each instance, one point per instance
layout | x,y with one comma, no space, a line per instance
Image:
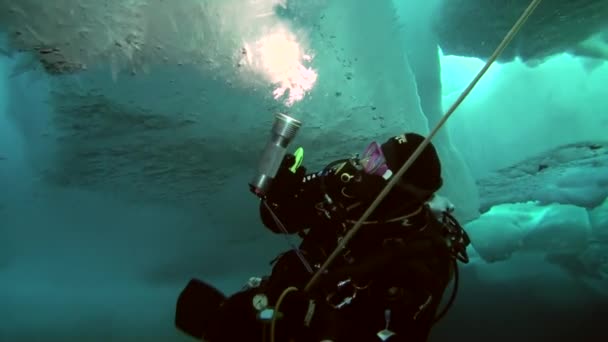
268,167
283,131
273,157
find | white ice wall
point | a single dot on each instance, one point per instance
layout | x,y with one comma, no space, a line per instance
517,111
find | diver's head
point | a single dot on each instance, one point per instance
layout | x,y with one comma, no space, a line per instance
420,181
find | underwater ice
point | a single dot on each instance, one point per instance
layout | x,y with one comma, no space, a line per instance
509,228
77,265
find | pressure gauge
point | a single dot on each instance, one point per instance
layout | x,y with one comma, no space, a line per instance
260,302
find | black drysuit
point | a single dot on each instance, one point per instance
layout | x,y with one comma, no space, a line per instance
398,266
400,259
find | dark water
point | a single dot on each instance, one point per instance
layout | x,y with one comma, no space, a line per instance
535,307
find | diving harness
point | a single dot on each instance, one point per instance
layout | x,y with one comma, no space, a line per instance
346,290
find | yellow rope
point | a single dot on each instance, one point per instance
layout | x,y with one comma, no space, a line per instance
505,42
273,322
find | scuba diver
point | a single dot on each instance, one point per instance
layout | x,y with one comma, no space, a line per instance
387,284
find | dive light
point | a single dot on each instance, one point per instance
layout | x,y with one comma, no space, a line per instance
282,133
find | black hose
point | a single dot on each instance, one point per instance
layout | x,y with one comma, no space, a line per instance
445,310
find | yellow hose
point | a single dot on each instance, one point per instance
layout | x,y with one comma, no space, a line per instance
505,42
273,322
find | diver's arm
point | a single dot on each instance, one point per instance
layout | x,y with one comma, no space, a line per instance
293,206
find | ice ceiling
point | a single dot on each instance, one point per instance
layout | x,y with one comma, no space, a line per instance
131,126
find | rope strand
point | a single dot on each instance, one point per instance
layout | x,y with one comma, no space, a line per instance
505,42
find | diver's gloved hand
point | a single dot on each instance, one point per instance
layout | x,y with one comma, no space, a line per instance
307,318
286,182
293,310
197,306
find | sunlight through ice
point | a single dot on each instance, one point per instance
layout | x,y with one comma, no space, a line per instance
280,58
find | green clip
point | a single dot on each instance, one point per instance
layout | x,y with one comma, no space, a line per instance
269,314
299,154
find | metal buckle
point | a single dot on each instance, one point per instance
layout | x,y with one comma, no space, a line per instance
345,293
254,282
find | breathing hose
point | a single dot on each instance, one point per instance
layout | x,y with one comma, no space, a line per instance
505,42
273,322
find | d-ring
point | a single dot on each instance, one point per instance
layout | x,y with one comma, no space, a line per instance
345,177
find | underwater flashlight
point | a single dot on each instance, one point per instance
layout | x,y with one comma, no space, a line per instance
282,133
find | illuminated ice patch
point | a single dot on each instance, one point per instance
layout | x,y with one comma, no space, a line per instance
281,59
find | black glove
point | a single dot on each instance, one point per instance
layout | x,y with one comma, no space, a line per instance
292,312
308,320
286,183
196,309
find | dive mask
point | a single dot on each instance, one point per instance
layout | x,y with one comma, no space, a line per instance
373,162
